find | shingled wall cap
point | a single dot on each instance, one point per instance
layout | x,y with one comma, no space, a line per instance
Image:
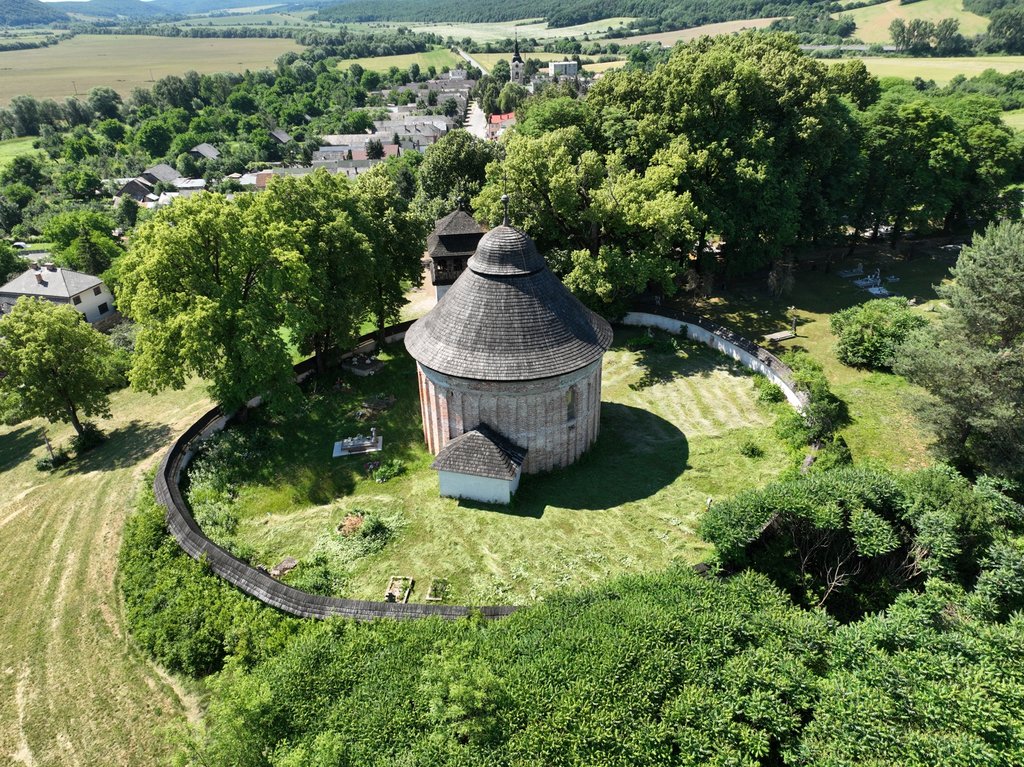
508,318
505,250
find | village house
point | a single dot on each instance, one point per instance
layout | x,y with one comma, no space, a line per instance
498,124
204,151
86,293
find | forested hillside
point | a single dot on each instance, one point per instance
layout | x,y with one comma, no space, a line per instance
670,13
16,13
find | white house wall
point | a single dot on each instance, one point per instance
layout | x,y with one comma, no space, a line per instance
90,303
472,488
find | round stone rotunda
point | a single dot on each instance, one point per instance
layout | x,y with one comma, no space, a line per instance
510,362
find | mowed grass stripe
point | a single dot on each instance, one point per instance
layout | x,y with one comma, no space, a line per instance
87,697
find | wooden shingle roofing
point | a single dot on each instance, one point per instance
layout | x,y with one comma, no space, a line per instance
508,318
481,452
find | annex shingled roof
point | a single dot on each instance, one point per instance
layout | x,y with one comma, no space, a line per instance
455,235
481,452
508,318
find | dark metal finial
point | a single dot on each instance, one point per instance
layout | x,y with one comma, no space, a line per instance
504,203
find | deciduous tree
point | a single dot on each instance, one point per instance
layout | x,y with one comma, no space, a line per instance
211,284
56,363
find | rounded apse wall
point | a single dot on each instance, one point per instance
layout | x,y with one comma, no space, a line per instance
556,419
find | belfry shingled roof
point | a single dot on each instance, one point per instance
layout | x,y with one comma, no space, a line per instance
508,318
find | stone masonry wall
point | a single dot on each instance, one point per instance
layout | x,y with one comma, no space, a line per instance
533,414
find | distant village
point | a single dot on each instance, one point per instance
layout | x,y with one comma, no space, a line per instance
408,126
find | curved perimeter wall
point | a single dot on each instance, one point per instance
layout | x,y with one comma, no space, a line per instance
709,333
270,591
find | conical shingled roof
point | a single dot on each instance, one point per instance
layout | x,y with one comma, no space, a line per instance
508,318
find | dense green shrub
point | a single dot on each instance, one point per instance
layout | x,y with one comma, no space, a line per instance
49,463
91,436
181,614
767,392
870,332
670,669
823,415
851,540
388,470
555,683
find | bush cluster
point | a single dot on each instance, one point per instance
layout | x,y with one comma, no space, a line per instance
870,333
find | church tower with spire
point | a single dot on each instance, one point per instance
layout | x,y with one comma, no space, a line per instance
517,66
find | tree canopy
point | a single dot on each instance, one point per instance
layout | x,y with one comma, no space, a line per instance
58,365
972,360
209,283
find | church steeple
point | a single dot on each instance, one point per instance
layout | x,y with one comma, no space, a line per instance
517,68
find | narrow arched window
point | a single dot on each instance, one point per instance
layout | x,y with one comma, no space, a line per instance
570,404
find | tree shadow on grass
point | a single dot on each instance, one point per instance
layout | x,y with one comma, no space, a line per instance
637,454
123,447
17,446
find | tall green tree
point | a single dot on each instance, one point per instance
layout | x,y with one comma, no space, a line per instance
453,171
57,364
396,238
771,161
10,262
972,361
914,166
323,211
211,284
606,228
83,240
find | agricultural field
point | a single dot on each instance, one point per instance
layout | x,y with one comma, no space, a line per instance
941,70
25,35
668,39
73,690
873,21
675,423
527,29
254,18
124,62
437,57
13,147
488,60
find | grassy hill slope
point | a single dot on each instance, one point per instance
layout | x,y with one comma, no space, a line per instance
873,22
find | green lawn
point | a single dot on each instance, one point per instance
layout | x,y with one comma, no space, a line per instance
13,147
941,70
73,690
124,62
1014,118
884,430
437,57
873,21
631,504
